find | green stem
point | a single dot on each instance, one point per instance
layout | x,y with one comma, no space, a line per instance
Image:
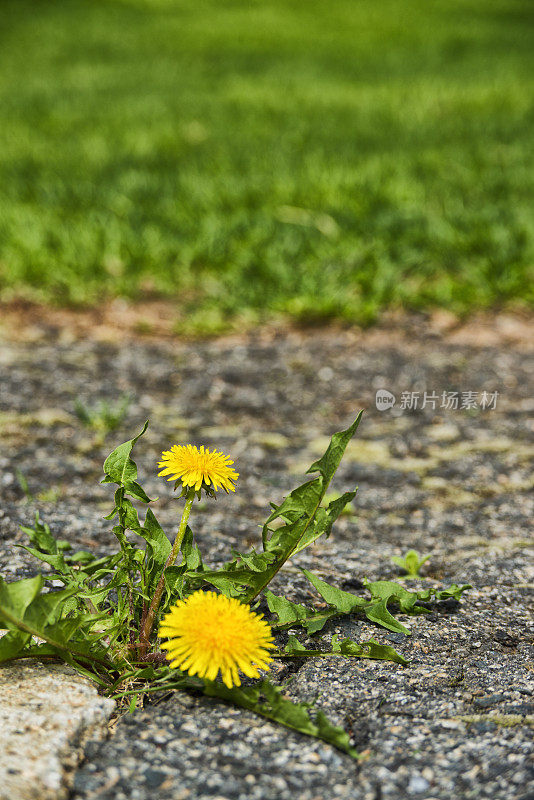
148,624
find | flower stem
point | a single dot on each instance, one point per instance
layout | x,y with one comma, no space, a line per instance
146,628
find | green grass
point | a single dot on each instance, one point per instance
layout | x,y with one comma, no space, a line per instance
323,159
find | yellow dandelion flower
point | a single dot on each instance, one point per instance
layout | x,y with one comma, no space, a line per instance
198,469
210,632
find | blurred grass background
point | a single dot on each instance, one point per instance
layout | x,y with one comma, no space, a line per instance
322,159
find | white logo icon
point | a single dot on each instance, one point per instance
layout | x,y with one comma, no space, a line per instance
384,400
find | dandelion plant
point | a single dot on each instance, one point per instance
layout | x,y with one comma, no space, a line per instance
110,616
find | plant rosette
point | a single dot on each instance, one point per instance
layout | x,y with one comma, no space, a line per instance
156,618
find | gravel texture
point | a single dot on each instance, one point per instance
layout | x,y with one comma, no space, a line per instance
453,483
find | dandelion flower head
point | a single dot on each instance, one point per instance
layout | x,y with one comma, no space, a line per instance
209,633
196,467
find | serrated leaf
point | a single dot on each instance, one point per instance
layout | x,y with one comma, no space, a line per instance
334,735
287,611
376,609
41,537
45,547
256,562
45,609
174,581
282,542
296,614
391,591
336,506
231,582
452,591
300,512
324,520
63,630
191,568
318,621
281,545
136,491
346,648
83,557
57,560
15,597
120,468
99,567
377,612
369,649
190,552
344,602
294,647
12,643
158,546
267,700
302,500
42,649
23,608
129,518
330,461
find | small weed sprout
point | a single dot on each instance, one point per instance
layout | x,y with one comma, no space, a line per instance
103,417
411,563
23,483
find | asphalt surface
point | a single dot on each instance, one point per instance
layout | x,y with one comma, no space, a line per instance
452,482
